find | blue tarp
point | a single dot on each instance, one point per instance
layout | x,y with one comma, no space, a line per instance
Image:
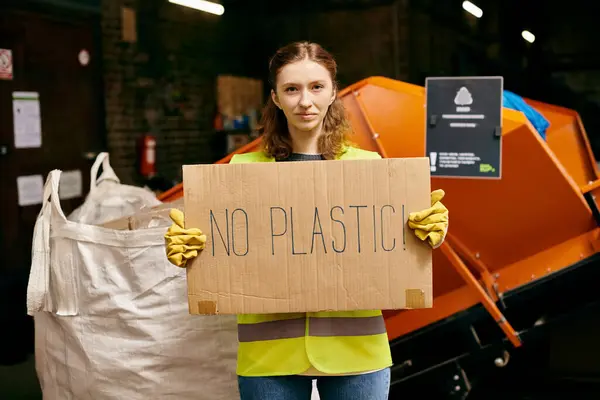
516,102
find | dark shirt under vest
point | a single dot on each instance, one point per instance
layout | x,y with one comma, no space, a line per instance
303,157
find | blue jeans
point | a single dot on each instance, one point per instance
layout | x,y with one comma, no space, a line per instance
372,386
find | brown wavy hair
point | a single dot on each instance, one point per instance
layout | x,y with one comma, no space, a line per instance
276,140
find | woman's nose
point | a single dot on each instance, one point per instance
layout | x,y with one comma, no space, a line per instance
305,100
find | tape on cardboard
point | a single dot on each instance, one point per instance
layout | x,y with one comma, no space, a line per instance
414,298
207,307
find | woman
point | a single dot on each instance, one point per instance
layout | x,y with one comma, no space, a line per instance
279,354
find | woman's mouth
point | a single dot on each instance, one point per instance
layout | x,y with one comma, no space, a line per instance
307,117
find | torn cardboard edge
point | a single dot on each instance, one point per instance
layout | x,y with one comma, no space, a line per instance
414,299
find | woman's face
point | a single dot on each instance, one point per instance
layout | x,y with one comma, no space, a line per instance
304,93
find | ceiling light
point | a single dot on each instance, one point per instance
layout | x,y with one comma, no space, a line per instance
202,5
530,37
472,9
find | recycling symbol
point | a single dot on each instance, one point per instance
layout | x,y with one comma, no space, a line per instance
463,97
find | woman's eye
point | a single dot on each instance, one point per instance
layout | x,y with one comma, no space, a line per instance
290,89
318,87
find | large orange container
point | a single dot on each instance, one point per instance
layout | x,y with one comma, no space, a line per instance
535,222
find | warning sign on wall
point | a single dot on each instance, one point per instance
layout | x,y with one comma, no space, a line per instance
6,64
464,125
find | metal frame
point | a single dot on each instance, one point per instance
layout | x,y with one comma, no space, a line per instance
487,302
490,284
374,134
468,341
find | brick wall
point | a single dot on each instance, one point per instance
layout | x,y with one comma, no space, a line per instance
362,40
177,56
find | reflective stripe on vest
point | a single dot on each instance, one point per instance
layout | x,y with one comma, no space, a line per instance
295,328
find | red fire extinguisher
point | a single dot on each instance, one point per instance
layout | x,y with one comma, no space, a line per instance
147,156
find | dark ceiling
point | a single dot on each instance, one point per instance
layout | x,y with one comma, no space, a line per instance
275,6
566,32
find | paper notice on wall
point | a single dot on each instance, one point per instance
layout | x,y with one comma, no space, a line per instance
70,185
27,120
6,64
30,189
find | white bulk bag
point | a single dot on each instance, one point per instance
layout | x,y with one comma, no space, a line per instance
111,316
108,198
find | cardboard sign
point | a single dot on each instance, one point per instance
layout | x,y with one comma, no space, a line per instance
308,236
464,126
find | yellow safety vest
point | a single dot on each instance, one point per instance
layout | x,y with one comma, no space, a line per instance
332,342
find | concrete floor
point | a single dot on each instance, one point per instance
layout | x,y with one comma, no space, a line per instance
19,382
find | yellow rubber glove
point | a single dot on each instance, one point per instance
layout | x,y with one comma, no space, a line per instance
182,244
431,224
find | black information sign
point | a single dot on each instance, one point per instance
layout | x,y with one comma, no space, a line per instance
464,126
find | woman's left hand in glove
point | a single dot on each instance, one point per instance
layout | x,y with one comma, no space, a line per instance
431,224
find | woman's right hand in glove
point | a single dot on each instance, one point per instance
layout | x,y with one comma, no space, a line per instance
182,244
